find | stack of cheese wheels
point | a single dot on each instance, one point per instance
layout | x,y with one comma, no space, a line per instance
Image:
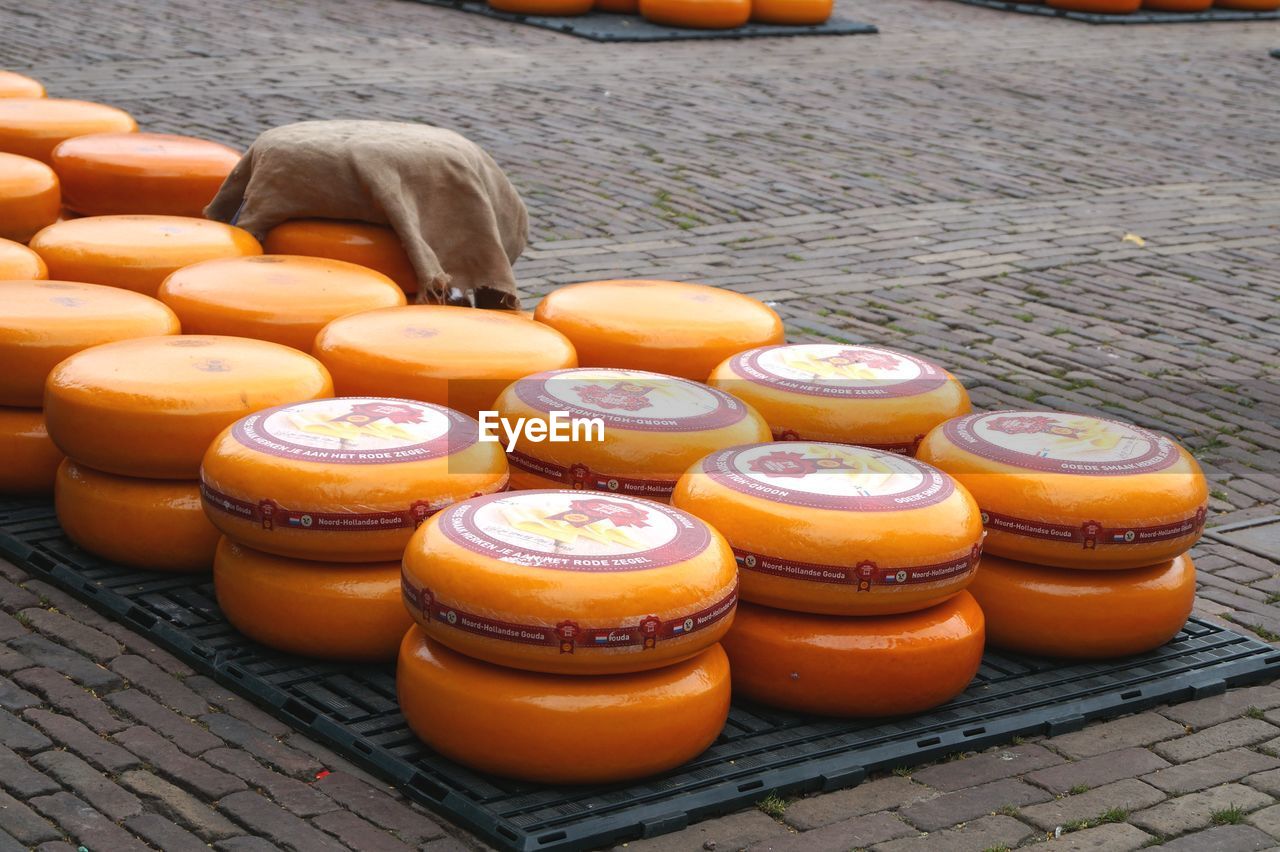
850,394
374,246
282,298
33,127
41,323
136,252
651,428
591,619
457,357
854,568
664,326
134,419
317,501
30,197
1088,523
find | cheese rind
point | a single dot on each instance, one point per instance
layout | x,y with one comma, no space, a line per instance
19,263
792,13
28,459
30,198
697,14
33,126
14,85
373,246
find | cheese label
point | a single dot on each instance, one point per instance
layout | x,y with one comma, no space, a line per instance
1057,442
575,531
829,476
839,372
632,399
357,430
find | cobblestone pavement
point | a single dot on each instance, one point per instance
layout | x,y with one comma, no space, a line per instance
961,186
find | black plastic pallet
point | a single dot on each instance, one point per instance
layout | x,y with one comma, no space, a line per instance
760,752
1141,17
604,26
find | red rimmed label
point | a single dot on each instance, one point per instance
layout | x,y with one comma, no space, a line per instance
270,515
582,478
1091,535
864,575
839,371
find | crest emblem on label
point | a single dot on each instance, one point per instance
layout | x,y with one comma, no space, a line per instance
631,399
839,371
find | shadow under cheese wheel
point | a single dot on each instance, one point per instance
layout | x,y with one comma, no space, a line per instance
834,666
375,247
346,479
33,127
146,523
850,394
542,7
836,529
28,459
654,427
1102,7
314,609
559,729
29,197
19,263
1058,612
1073,491
570,583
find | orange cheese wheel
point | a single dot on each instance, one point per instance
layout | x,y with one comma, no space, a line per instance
43,322
346,479
558,729
851,394
156,173
151,406
697,14
792,13
30,198
654,427
1057,612
136,252
866,532
281,298
374,246
1178,5
1248,5
314,609
14,85
28,459
144,523
887,665
19,263
33,127
664,326
570,583
618,7
1073,491
458,357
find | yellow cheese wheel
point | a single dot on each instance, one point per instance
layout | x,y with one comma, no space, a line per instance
314,609
458,357
1057,612
150,407
30,198
136,252
43,322
145,523
346,479
570,583
652,428
697,14
28,459
155,173
1073,491
792,13
14,85
19,263
557,729
866,532
282,298
851,394
374,246
664,326
33,127
886,665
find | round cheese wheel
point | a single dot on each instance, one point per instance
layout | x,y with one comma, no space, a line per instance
30,198
1248,5
33,127
14,85
281,298
617,7
851,394
542,7
557,729
346,479
151,406
144,523
28,459
156,173
1073,491
314,609
458,357
867,532
19,263
697,14
1057,612
664,326
791,13
1179,5
44,322
136,252
652,428
570,583
374,246
886,665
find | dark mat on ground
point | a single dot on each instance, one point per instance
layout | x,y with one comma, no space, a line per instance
1140,17
761,752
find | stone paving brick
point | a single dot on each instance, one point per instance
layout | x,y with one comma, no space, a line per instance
1209,771
263,818
857,833
1096,771
108,797
17,776
1268,782
264,747
103,754
19,736
147,676
163,834
1237,732
70,699
290,793
23,823
1130,794
880,794
358,833
992,766
178,805
13,597
185,734
1111,837
236,705
1143,729
1267,819
1193,811
376,806
949,809
1223,838
244,843
177,766
10,627
736,831
83,671
8,843
989,832
88,827
11,661
1220,708
79,637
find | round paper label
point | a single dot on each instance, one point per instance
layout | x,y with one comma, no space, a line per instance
846,372
632,399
